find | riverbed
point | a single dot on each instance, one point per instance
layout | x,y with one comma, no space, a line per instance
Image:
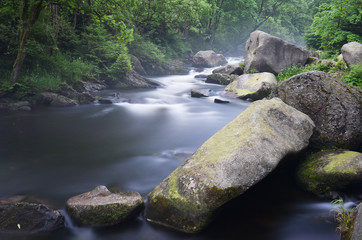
132,145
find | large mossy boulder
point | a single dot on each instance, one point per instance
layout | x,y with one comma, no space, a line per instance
357,226
229,163
267,53
335,107
100,207
332,170
208,59
17,215
254,86
220,78
352,53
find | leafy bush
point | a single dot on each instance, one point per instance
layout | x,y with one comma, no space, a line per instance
146,51
120,67
354,76
294,70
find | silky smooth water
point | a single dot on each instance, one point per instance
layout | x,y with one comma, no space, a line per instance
56,153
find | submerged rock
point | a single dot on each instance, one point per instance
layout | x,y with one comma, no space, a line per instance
208,59
100,207
19,216
335,107
219,78
352,53
16,106
254,86
105,101
229,163
217,100
267,53
331,170
236,69
197,93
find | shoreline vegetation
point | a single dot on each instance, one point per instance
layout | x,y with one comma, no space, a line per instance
46,43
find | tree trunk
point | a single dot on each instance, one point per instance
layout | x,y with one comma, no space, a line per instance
27,19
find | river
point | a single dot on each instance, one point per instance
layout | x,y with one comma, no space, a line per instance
56,153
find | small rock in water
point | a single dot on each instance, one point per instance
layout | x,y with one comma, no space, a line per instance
105,101
19,215
216,100
200,93
100,207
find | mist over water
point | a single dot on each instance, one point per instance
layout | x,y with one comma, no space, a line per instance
56,153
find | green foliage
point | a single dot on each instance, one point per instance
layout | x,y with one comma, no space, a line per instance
146,51
354,76
344,217
294,70
121,66
251,71
336,23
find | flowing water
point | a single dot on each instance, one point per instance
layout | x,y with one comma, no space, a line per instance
56,153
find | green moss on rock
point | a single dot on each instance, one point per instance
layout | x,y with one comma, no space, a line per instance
100,207
230,162
330,170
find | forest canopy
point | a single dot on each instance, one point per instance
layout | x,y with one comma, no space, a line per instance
46,42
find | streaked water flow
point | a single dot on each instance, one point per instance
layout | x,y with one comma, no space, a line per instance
56,153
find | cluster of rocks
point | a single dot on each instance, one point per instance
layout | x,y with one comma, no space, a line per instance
97,208
328,115
311,110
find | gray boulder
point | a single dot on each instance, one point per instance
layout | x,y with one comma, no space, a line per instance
82,86
222,79
135,80
137,65
332,170
85,98
56,100
197,93
228,164
267,53
69,92
352,53
254,86
236,69
335,107
100,207
208,59
25,217
357,228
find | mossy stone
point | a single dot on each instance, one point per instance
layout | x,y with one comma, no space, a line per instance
330,170
100,207
229,163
